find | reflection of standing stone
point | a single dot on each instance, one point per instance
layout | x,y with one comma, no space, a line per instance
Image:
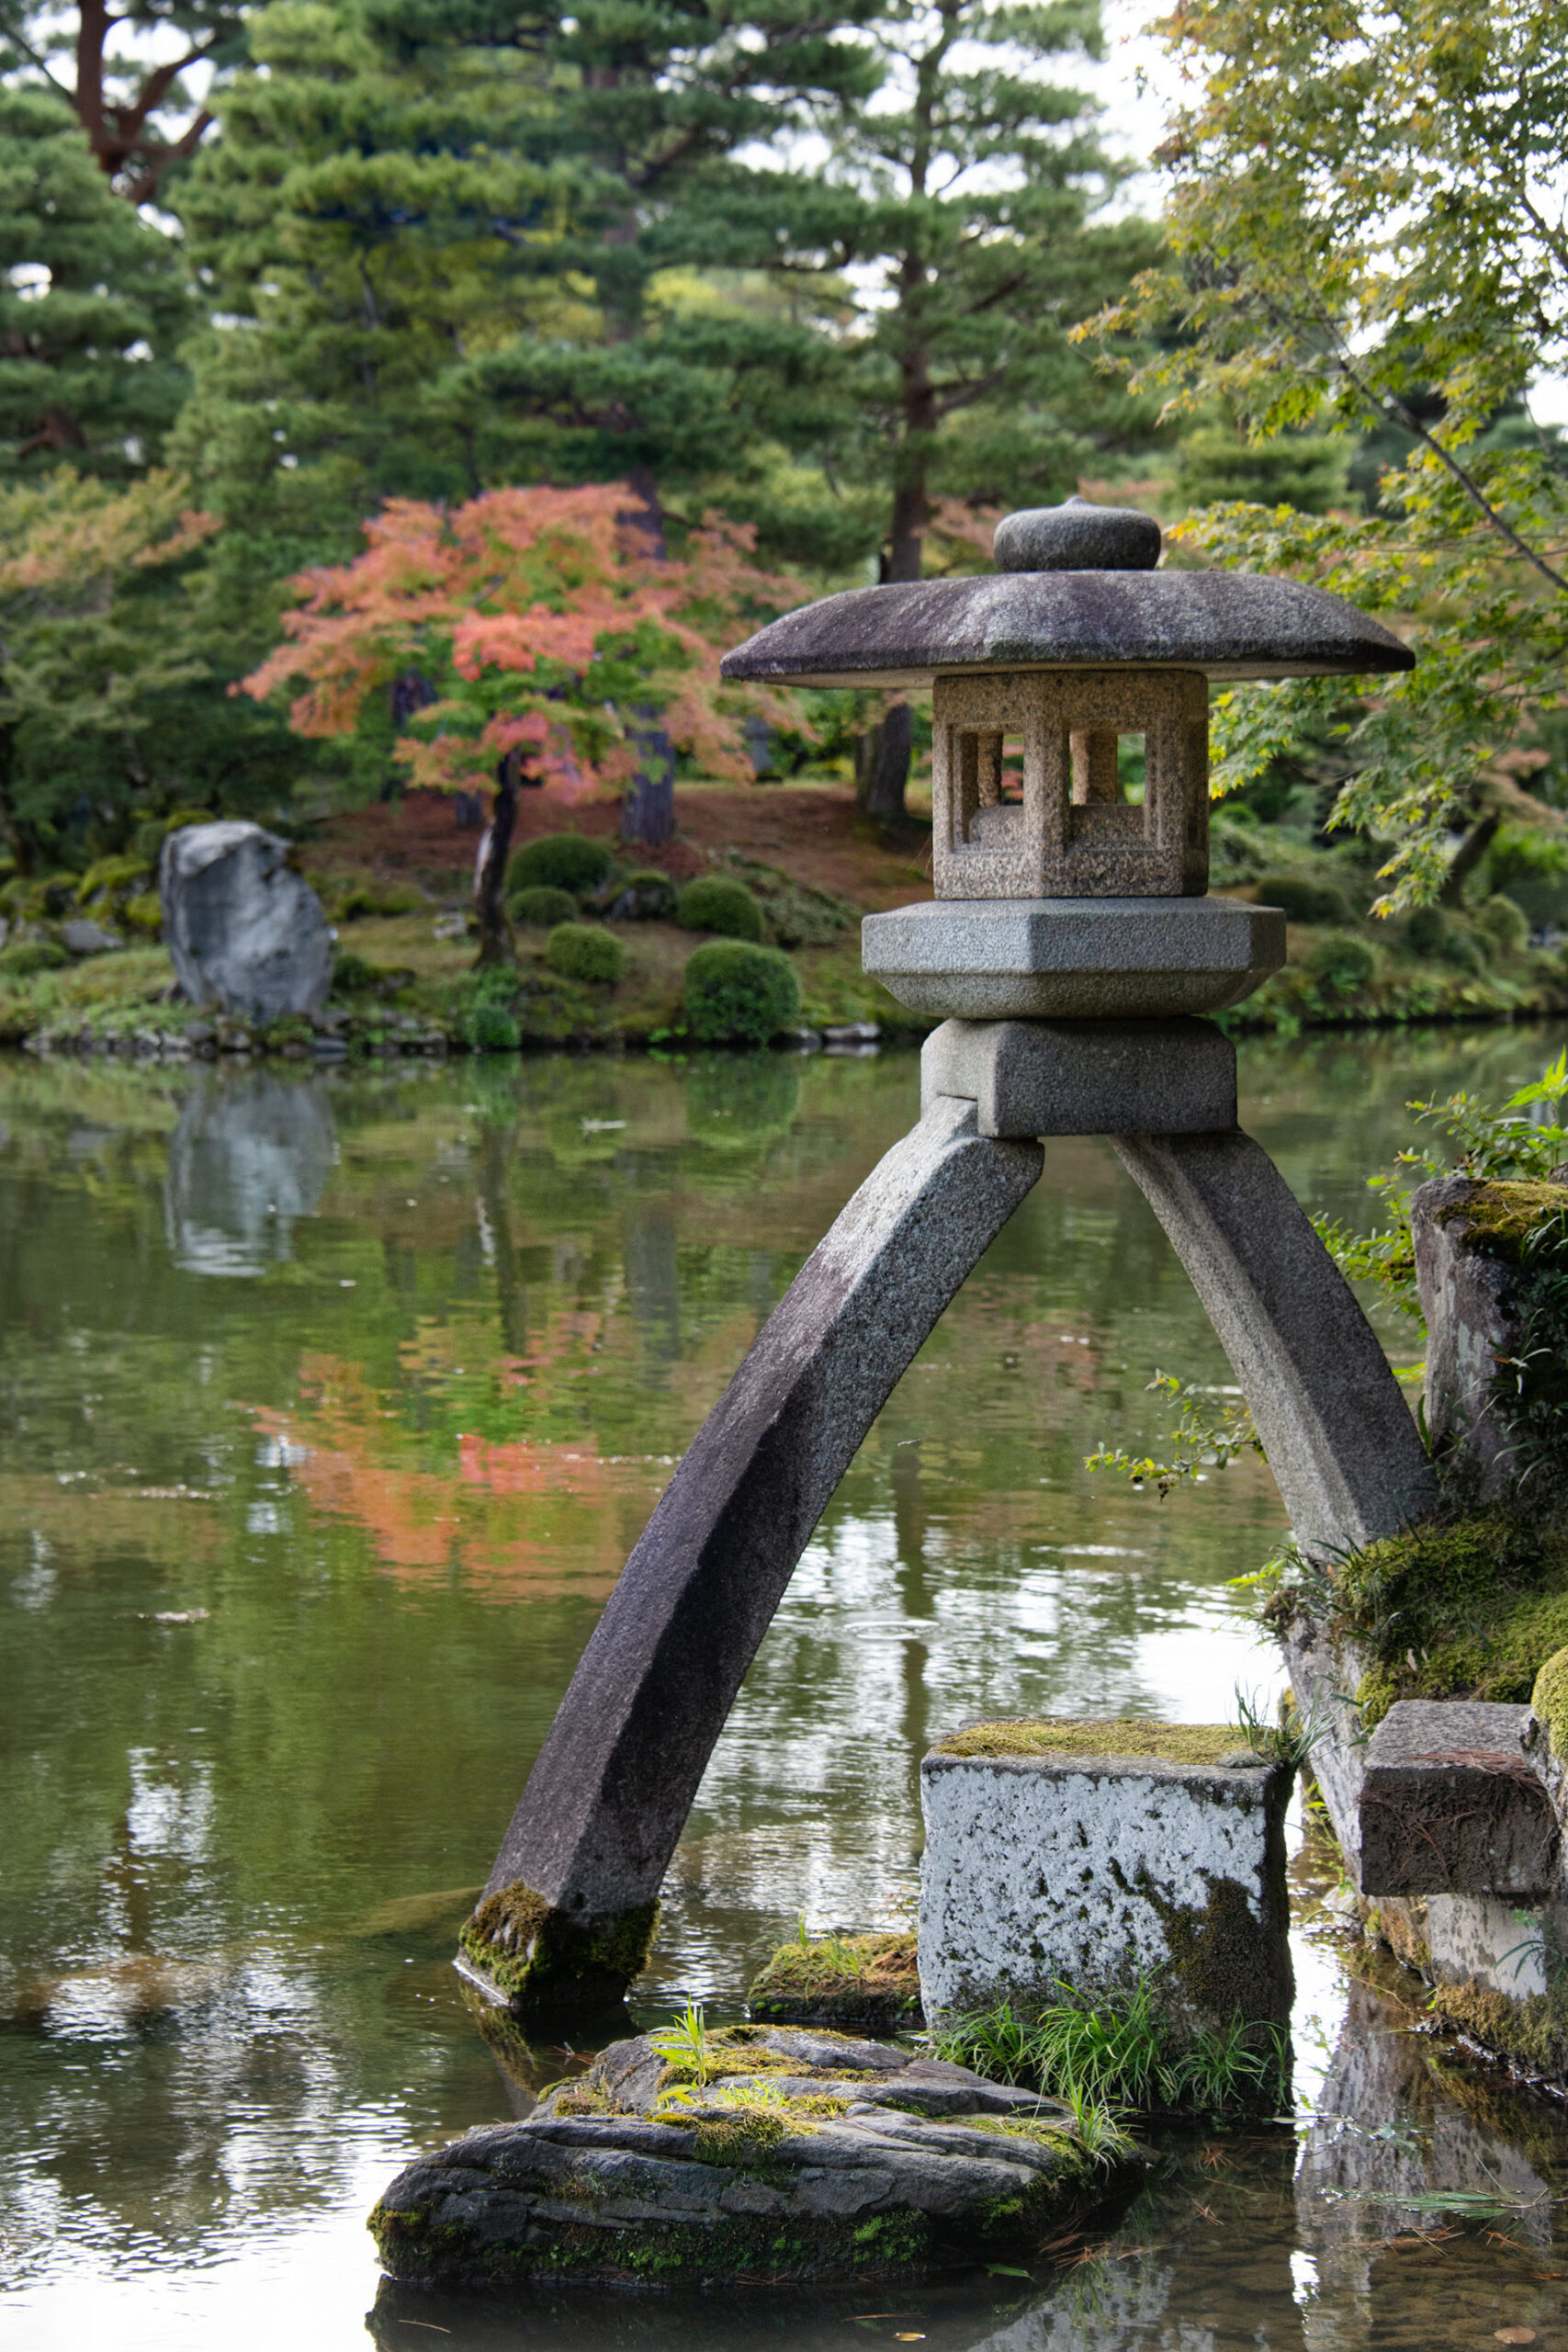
249,1156
243,929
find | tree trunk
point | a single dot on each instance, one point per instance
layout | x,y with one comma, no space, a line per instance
489,882
1467,857
882,765
649,815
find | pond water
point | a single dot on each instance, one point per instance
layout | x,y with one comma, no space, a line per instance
334,1402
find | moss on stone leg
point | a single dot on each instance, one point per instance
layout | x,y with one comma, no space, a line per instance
535,1957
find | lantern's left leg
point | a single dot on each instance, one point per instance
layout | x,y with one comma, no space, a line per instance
568,1914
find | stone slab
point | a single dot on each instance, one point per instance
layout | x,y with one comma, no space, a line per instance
1225,624
1451,1805
1090,1871
1341,1441
1084,1078
609,1794
1004,959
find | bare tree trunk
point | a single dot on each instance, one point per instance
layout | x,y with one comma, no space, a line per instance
489,882
882,767
649,815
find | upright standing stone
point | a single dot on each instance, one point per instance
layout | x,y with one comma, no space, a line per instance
243,929
1089,1858
1491,1261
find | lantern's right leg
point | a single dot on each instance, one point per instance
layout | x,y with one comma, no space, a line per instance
568,1914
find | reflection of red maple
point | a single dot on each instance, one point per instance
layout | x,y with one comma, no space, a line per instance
504,1518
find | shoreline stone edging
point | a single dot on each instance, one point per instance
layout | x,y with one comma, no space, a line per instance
800,2157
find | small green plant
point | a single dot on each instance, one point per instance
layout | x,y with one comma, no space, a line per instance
1490,1144
351,974
581,951
493,1029
542,906
560,861
686,2042
1201,1441
738,994
1292,1739
713,903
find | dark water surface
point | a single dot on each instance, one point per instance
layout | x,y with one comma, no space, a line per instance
333,1404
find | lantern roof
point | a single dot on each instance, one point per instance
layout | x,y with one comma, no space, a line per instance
1074,589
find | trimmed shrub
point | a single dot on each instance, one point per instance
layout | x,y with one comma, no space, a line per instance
352,975
559,862
541,908
645,897
493,1029
1426,933
740,994
26,956
712,903
579,951
1342,962
1303,901
1505,924
145,914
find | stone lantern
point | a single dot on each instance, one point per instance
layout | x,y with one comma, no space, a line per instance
1057,893
1068,947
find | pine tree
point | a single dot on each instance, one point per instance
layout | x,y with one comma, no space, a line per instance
960,199
91,309
135,113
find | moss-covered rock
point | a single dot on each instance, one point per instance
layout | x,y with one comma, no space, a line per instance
841,2159
870,1980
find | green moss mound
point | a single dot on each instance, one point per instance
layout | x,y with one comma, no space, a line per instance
1126,1736
1467,1607
559,862
738,994
724,908
26,956
542,908
579,951
870,1980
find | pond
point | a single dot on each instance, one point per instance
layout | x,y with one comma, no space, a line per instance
335,1402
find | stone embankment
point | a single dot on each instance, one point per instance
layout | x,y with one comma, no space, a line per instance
755,2154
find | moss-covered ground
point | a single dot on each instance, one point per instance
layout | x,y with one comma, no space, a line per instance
1471,1606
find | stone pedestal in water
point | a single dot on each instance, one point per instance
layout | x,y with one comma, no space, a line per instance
1089,1858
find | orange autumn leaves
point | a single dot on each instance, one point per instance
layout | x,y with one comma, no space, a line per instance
540,620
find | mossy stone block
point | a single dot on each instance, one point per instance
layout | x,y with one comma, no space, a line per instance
1086,1857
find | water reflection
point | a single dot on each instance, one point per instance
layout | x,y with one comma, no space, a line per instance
251,1155
293,1571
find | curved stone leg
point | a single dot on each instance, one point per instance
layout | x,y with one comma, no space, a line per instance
568,1912
1340,1439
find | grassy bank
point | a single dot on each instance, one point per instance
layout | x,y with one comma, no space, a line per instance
396,882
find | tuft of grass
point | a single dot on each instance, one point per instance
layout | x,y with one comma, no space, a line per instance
688,2044
1112,2055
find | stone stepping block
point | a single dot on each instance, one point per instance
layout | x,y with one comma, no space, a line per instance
1451,1806
777,2155
1076,1860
